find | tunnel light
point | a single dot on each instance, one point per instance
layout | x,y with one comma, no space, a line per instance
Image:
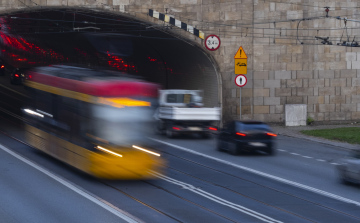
33,112
108,151
145,150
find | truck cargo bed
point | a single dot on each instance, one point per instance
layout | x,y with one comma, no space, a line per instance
176,113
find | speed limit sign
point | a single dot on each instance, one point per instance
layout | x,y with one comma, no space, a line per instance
240,80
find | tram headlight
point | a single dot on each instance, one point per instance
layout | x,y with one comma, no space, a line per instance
108,151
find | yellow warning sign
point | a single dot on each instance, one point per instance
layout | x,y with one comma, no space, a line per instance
240,54
240,61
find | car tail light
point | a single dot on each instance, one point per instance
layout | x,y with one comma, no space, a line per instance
176,128
2,66
213,128
16,75
271,134
240,134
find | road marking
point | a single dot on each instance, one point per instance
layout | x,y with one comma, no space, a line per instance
334,163
320,160
307,157
102,203
279,179
216,198
14,91
282,150
296,154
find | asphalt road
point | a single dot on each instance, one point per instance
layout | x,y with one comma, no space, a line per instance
298,184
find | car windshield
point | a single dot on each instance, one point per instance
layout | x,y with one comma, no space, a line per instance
252,126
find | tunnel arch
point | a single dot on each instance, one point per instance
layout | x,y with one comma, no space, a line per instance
97,38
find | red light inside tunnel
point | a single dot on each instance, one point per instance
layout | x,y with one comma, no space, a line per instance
2,66
16,75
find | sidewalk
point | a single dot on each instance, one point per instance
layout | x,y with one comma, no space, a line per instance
294,131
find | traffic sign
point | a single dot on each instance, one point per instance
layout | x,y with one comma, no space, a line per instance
240,61
212,42
240,80
240,54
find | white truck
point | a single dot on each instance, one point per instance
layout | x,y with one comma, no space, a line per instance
182,112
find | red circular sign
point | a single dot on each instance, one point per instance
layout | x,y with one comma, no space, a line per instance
212,42
240,80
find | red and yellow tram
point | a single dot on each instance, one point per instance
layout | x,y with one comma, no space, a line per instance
96,121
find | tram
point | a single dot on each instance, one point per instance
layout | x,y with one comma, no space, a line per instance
95,121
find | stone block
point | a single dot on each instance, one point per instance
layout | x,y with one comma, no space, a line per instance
349,107
350,56
272,101
258,84
335,99
261,109
261,92
293,66
348,90
261,75
316,82
355,65
340,65
302,91
295,114
355,115
355,99
326,107
283,74
245,92
294,100
347,73
337,115
271,83
279,109
294,83
315,100
326,74
258,100
338,82
279,92
355,82
304,74
326,90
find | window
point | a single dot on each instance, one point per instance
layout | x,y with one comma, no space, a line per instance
178,98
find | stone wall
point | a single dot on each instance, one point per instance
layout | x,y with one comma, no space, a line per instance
286,63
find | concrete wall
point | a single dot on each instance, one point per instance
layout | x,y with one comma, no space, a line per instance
281,70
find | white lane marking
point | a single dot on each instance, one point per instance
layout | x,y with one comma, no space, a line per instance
282,150
102,203
296,154
320,160
302,186
307,157
334,164
216,198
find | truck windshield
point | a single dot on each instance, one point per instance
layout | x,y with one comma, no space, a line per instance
178,98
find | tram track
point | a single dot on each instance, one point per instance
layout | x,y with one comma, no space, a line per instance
255,183
170,216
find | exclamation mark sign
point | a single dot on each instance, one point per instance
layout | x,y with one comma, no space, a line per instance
240,52
240,77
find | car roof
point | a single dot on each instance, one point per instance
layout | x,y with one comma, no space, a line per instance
250,122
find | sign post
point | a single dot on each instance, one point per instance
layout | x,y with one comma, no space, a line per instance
240,68
240,80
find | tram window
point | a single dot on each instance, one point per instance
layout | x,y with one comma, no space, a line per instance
44,101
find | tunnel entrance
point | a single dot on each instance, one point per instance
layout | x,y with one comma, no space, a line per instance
105,40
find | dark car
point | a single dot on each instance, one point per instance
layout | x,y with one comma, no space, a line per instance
17,76
246,136
349,168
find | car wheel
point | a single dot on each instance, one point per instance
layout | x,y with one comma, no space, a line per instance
271,151
233,150
343,177
219,145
